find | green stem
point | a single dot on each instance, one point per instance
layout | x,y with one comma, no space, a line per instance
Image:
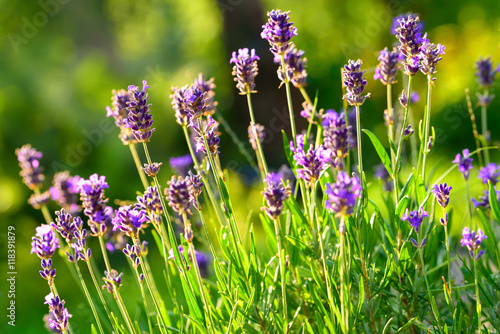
448,256
289,100
87,294
484,123
344,305
137,161
98,288
281,254
45,211
478,300
423,147
256,136
144,300
390,125
360,158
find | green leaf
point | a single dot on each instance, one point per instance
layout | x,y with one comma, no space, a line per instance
386,160
406,186
93,330
495,208
402,205
159,244
288,152
386,327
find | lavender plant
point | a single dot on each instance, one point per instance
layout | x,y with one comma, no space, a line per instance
333,257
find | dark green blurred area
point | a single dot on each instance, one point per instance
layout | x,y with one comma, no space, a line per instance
59,62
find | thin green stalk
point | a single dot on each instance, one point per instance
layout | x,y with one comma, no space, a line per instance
289,100
400,144
344,304
484,123
45,211
281,254
87,294
325,268
478,300
256,136
103,301
448,256
423,145
390,125
360,158
137,161
467,191
204,298
144,300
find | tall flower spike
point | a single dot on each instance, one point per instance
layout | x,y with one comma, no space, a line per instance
336,137
295,64
245,70
388,67
178,194
490,172
129,220
139,119
354,83
64,225
415,218
313,162
45,242
37,200
464,163
276,193
65,191
278,31
442,193
260,133
94,202
472,241
207,86
196,102
112,280
484,200
152,169
80,243
59,314
179,105
342,194
210,130
429,56
410,36
396,19
119,111
485,72
150,204
31,171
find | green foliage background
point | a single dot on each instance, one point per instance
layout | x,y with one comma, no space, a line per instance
57,71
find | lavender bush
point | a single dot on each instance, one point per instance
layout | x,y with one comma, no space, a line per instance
337,260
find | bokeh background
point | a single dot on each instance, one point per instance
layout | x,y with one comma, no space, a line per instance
60,59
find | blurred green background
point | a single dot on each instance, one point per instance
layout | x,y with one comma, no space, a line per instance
60,59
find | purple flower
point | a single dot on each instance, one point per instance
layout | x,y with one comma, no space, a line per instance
129,220
342,194
207,87
196,102
64,225
135,252
336,137
139,119
45,242
429,57
252,137
410,37
295,65
38,200
415,218
59,314
411,65
485,72
202,259
403,99
388,67
472,241
484,100
47,272
484,201
313,162
179,105
415,243
286,174
210,130
490,172
112,280
31,172
119,112
48,319
275,194
94,202
195,184
309,113
278,31
408,131
150,204
179,195
442,193
181,164
464,163
65,191
80,241
354,83
245,70
414,98
396,19
153,169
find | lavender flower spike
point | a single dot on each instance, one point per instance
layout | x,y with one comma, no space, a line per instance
295,65
472,241
313,162
112,280
119,111
59,314
415,218
354,83
259,129
150,204
485,72
65,191
152,169
178,195
275,194
179,105
430,56
94,202
129,220
388,67
139,119
182,164
336,137
207,86
342,194
411,40
278,31
31,172
245,70
442,193
464,163
490,172
45,242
